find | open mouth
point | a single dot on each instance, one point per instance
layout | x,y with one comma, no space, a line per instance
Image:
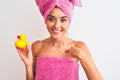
56,31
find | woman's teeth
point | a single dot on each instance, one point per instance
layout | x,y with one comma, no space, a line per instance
56,31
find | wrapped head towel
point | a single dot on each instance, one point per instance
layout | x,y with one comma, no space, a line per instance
46,6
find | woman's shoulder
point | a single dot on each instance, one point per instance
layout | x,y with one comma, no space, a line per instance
38,43
35,46
77,43
80,44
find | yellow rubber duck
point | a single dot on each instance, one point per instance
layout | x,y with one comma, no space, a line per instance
21,42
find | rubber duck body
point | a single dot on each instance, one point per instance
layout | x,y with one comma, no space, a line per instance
21,42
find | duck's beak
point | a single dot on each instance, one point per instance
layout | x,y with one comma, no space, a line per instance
18,36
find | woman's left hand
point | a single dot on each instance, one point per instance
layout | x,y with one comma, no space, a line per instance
79,51
75,51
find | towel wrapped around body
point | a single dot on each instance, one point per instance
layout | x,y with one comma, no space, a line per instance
56,68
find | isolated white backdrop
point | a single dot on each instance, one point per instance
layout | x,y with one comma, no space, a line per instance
97,23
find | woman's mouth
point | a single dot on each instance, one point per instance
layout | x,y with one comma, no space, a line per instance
56,31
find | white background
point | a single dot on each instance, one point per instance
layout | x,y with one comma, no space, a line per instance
96,23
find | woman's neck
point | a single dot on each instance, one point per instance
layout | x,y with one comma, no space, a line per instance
58,42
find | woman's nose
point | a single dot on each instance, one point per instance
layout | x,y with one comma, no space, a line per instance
57,24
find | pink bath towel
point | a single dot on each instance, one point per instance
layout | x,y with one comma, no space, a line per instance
56,68
46,6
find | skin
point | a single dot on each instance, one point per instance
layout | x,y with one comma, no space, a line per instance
58,44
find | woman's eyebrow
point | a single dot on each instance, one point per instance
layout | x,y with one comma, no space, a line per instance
64,17
51,16
54,17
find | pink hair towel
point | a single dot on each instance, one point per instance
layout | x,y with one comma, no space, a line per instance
56,68
46,6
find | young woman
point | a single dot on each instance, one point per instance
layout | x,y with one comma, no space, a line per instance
56,57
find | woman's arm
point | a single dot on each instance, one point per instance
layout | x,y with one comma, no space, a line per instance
91,70
81,51
27,58
29,73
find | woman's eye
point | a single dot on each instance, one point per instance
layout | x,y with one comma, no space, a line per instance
50,19
63,20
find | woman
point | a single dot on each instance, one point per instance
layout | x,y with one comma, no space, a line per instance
56,57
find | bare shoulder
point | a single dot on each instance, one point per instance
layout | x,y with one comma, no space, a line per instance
35,46
83,46
80,44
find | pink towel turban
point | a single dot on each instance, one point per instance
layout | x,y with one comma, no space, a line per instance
46,6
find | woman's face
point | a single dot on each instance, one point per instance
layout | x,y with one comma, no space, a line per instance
57,23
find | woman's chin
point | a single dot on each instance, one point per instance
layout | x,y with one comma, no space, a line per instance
56,36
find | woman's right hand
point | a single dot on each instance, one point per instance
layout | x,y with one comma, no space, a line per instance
26,55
